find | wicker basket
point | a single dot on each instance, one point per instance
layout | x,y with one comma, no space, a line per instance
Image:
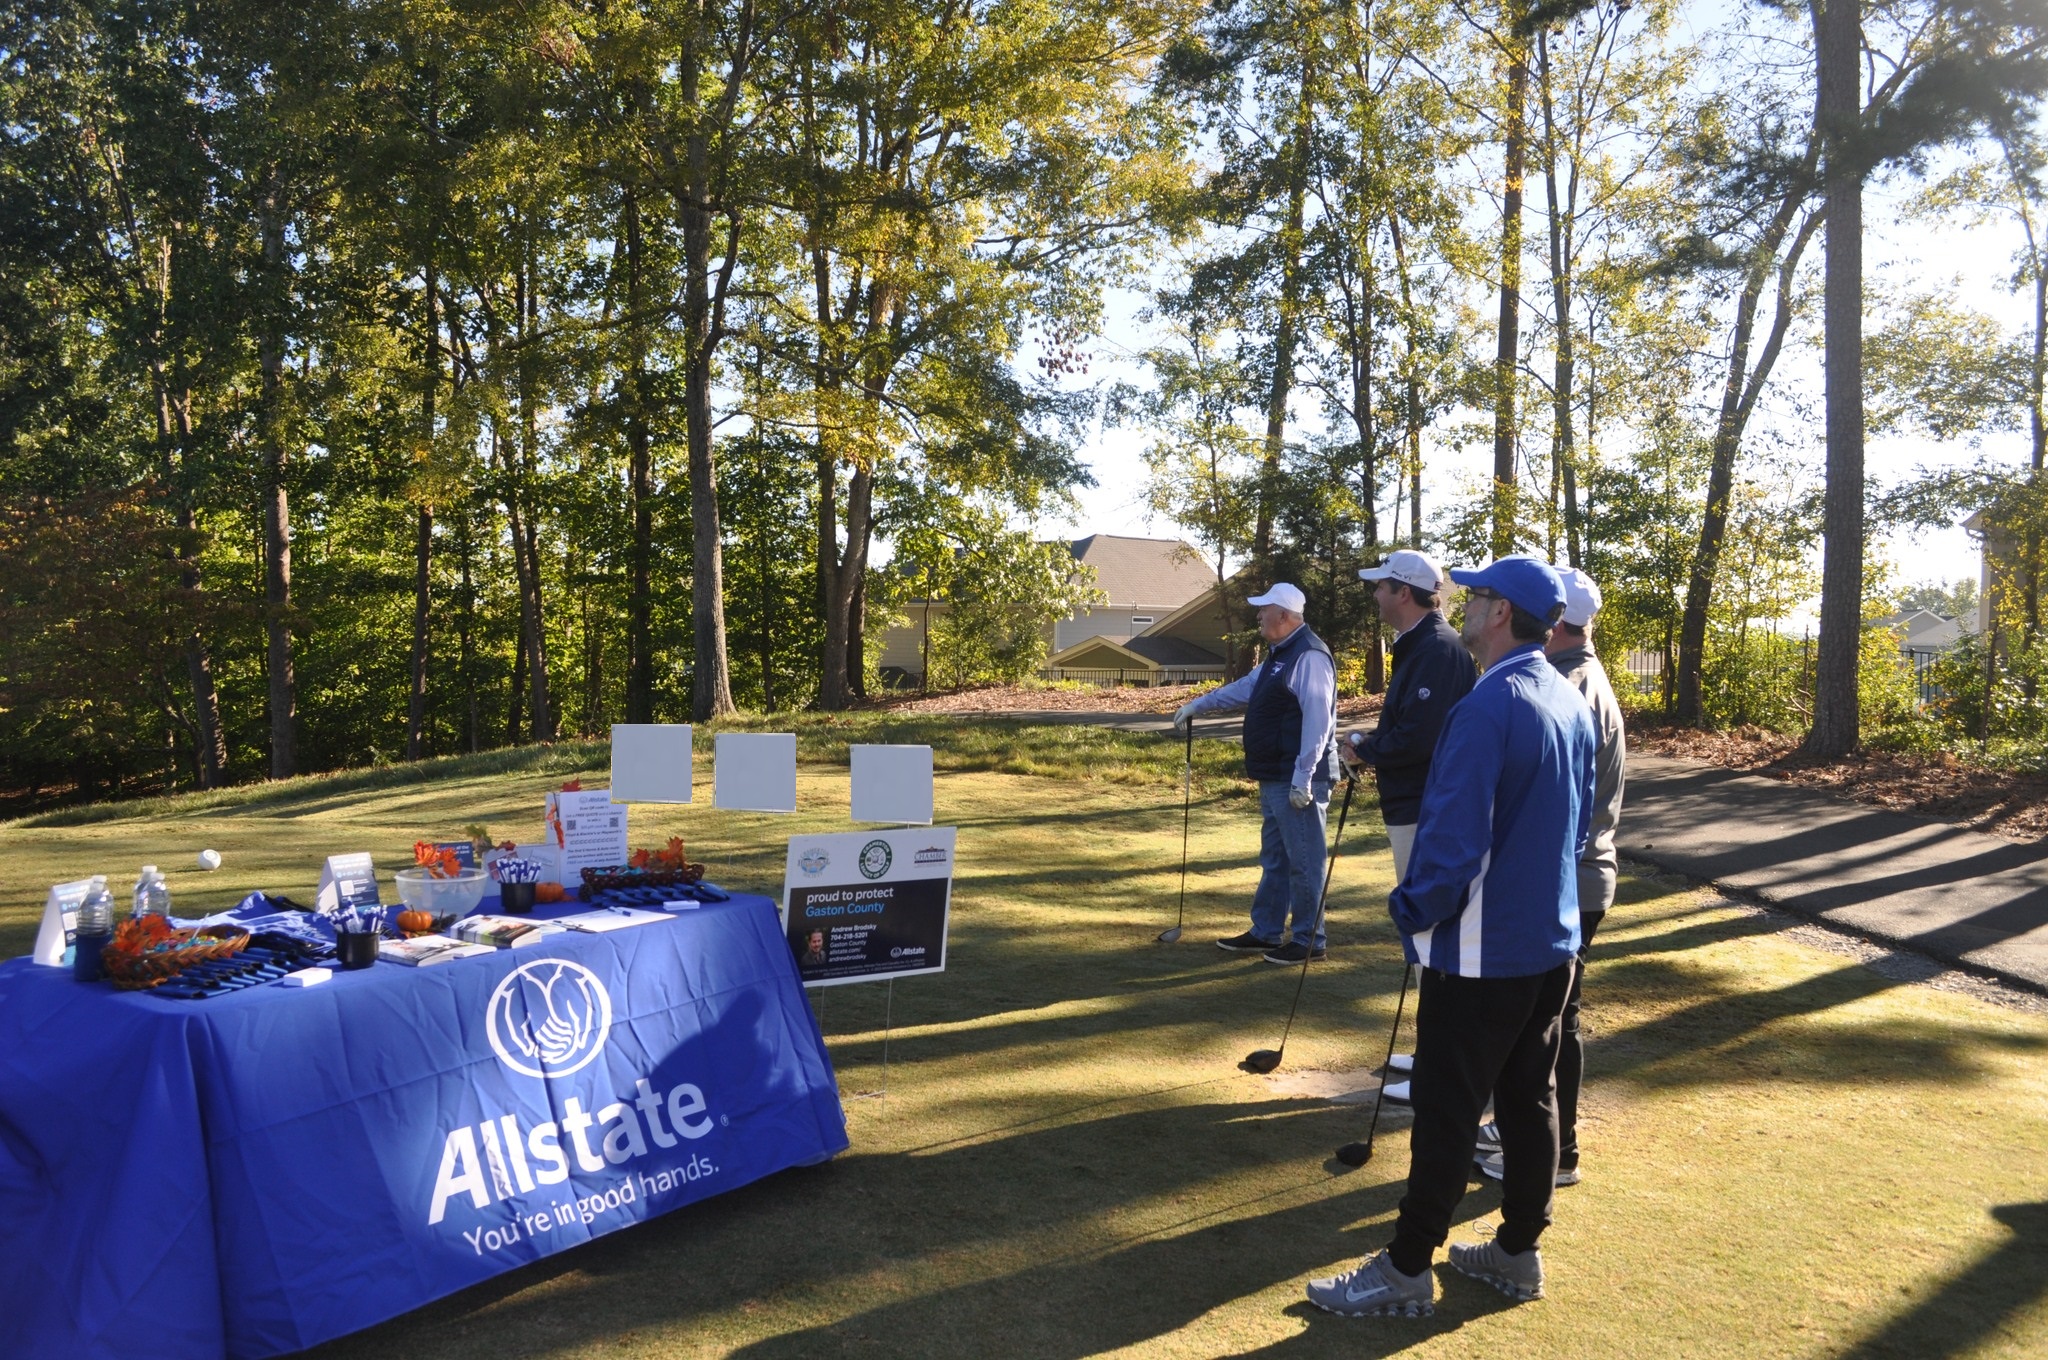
630,876
145,952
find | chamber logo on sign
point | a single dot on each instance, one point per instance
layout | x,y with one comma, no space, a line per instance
931,854
548,1018
814,862
875,858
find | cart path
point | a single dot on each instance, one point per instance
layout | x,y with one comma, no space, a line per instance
1958,895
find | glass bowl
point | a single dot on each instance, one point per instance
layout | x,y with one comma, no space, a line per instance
420,890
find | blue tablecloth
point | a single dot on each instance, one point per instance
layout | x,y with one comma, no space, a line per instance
255,1173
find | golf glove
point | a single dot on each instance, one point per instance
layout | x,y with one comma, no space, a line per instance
1181,716
1298,797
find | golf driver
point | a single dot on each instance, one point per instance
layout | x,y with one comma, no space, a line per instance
1266,1059
1187,786
1358,1154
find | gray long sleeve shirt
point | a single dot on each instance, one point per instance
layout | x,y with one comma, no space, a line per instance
1589,677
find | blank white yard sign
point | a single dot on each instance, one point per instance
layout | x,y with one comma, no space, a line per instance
755,772
892,784
650,762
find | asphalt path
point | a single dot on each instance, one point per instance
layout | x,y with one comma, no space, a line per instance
1960,896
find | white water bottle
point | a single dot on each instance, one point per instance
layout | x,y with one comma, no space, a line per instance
152,894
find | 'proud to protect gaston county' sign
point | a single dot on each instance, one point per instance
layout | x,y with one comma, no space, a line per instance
868,904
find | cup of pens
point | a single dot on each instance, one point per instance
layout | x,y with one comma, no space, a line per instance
356,933
516,879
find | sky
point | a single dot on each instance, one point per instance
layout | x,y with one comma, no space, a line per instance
1900,253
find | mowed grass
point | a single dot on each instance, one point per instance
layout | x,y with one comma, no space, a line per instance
1788,1154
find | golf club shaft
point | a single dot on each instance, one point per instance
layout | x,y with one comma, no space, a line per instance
1187,797
1343,815
1393,1037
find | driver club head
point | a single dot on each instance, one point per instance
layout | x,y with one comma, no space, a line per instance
1170,935
1262,1060
1355,1154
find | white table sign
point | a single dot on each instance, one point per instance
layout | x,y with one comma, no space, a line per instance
650,762
755,772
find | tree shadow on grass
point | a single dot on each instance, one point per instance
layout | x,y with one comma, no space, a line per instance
887,1219
1976,1305
1741,1029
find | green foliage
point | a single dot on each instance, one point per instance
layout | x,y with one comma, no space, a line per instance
1001,590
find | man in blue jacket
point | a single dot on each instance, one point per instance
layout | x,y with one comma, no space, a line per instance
1490,909
1432,671
1290,720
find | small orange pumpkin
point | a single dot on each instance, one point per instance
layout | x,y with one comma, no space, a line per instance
415,920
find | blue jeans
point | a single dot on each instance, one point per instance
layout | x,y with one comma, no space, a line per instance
1292,846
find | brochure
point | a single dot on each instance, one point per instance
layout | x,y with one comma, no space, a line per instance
427,949
503,932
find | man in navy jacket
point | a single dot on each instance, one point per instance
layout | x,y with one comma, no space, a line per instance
1432,671
1490,909
1290,721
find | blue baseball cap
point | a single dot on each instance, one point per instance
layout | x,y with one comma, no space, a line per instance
1522,581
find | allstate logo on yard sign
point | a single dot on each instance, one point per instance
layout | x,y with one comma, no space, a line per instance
548,1018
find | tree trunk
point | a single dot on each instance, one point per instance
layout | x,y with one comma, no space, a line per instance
1836,720
1411,403
277,533
1285,336
1507,347
1562,214
639,591
1739,392
423,530
521,516
703,328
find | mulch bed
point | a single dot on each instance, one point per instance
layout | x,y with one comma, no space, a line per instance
996,700
2008,803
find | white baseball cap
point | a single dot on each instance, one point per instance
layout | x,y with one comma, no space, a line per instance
1581,596
1288,597
1408,567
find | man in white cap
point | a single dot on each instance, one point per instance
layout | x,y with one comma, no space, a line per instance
1290,720
1432,671
1570,650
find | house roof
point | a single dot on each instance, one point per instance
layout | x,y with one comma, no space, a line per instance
1160,573
1171,651
1141,651
1924,628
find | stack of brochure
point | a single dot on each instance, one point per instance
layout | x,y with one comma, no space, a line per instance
422,950
502,932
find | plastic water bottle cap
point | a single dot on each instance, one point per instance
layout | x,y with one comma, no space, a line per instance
149,871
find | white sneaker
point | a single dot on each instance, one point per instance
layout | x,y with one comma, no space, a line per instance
1495,1166
1397,1091
1401,1062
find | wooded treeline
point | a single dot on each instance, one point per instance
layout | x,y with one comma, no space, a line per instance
390,378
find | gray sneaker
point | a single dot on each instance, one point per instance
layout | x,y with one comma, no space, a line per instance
1517,1276
1373,1289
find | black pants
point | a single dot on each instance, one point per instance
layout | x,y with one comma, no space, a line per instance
1477,1037
1571,1053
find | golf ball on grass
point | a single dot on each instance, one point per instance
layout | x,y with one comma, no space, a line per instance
209,859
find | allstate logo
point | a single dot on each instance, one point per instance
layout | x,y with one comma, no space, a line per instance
814,862
548,1018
